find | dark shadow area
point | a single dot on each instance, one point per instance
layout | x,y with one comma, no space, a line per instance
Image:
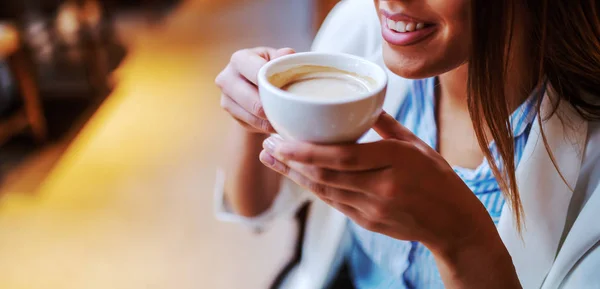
69,49
67,52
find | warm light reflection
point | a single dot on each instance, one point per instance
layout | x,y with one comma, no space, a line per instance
101,213
92,13
67,22
129,204
9,39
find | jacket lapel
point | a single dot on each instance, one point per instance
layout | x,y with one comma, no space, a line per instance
544,194
585,231
324,234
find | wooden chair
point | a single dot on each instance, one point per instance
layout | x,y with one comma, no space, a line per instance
30,116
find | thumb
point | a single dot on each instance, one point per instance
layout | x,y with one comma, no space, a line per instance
388,127
282,52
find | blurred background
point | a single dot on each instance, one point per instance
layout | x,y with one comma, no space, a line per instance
110,134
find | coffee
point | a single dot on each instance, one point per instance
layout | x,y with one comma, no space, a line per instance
322,82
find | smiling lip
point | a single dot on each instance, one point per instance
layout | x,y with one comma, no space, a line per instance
401,17
404,38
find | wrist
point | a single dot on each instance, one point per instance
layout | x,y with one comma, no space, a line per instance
481,261
488,248
250,187
477,235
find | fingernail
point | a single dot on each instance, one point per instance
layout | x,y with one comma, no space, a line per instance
267,159
270,144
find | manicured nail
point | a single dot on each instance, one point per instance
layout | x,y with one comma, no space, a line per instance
267,159
270,144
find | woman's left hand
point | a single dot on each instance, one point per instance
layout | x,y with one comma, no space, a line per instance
398,186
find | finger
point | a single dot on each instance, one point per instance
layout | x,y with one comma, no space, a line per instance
249,61
351,157
374,182
388,127
244,116
322,191
282,52
359,217
247,126
243,92
347,210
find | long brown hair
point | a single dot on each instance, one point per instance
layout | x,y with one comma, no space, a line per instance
565,49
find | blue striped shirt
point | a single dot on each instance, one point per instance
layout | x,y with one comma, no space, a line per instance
378,261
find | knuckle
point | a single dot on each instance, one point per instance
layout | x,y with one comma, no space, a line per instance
298,155
315,173
223,102
369,225
263,51
323,175
257,108
227,108
346,158
264,125
318,189
307,156
386,189
255,122
236,56
377,213
285,170
220,79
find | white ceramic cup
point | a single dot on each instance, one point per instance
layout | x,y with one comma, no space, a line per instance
322,120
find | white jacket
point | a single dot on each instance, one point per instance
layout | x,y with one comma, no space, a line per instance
560,246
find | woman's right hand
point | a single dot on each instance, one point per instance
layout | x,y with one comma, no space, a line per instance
239,91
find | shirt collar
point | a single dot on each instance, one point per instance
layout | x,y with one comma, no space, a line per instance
525,114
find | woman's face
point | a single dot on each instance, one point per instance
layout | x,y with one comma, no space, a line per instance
424,38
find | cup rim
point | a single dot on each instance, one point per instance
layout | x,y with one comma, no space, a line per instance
264,82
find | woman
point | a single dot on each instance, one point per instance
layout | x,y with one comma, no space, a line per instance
484,171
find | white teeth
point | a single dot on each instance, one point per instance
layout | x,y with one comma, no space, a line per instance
402,26
391,24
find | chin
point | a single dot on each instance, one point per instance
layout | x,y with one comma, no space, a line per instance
415,63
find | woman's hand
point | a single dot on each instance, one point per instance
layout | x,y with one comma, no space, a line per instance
238,84
402,188
250,188
399,186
